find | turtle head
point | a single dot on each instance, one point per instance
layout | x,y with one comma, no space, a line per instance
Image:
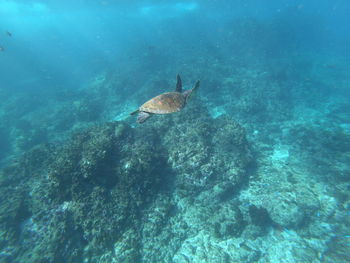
191,92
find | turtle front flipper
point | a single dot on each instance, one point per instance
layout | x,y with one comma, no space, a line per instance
190,92
143,116
196,86
178,84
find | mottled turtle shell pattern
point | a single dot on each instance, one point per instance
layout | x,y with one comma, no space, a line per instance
164,103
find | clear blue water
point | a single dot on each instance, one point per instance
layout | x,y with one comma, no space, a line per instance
254,169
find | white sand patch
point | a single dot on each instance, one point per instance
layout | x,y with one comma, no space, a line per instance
216,112
280,153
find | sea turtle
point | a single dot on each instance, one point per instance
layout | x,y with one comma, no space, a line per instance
165,103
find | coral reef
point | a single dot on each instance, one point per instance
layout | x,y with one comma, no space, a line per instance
94,187
90,189
207,152
186,187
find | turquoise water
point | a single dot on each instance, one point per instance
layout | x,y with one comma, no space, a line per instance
253,167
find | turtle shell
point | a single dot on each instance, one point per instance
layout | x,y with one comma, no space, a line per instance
164,103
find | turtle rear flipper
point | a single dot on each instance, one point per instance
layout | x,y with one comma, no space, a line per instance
134,112
143,116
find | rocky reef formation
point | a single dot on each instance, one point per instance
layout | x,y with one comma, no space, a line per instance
180,188
111,191
208,152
